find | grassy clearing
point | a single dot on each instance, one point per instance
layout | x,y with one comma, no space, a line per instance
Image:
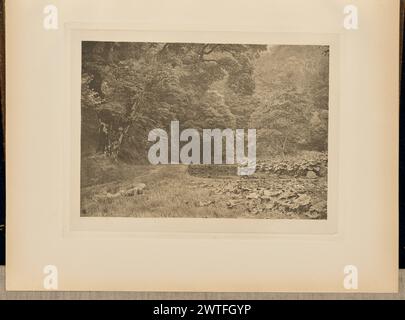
171,192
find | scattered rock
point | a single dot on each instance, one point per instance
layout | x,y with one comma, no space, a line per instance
312,215
311,175
129,193
270,194
319,207
113,196
136,190
288,195
302,203
323,172
252,195
296,166
232,204
140,187
205,203
270,206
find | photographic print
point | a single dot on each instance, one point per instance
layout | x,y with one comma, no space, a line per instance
203,130
202,151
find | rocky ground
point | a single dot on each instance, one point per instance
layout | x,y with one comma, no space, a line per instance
293,188
270,196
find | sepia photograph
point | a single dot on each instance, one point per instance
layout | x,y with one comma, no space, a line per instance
200,130
204,130
170,151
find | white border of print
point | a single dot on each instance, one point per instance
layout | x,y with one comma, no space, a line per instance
188,227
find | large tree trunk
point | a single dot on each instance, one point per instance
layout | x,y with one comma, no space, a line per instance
116,145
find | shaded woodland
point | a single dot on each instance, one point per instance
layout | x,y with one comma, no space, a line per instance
129,89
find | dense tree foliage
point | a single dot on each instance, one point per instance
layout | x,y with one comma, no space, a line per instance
129,89
132,88
293,83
